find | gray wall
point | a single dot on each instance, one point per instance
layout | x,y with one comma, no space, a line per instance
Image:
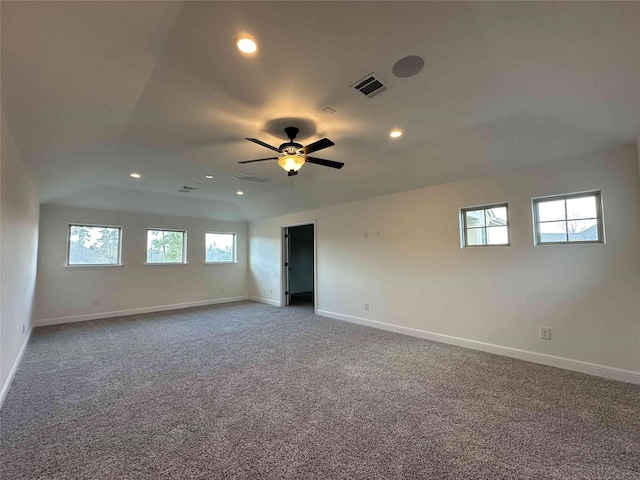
70,293
19,245
416,276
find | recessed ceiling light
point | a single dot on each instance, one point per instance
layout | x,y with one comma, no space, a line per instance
135,175
246,45
240,192
395,133
208,176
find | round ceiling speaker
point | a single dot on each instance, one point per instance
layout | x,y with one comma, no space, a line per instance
408,66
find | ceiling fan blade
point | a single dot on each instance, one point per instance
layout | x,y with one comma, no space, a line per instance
260,142
319,145
259,160
325,163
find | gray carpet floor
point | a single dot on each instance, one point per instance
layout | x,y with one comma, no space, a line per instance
247,390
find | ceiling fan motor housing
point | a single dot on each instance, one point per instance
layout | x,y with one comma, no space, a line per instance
292,148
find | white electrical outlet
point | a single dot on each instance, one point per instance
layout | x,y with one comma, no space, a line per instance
271,290
366,234
23,328
95,302
378,233
222,290
366,305
545,333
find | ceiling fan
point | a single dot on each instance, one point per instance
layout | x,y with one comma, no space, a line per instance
293,155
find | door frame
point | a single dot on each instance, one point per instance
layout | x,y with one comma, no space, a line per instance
283,255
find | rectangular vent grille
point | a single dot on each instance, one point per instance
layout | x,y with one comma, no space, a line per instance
371,85
250,178
186,187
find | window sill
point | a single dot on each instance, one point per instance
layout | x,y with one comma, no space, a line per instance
166,264
220,264
568,243
93,267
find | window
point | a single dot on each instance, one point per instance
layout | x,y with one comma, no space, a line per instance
93,245
220,248
486,225
166,246
573,218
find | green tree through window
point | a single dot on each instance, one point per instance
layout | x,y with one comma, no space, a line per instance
94,245
165,246
220,248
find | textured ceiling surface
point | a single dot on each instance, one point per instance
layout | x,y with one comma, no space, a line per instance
95,90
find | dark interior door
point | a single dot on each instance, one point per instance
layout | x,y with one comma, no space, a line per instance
300,268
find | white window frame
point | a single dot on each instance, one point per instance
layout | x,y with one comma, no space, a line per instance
166,264
93,265
235,248
464,227
567,196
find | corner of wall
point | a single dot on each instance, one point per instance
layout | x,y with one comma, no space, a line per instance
19,218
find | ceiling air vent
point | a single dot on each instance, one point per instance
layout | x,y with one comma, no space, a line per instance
371,85
250,178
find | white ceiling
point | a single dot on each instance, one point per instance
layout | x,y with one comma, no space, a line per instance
95,90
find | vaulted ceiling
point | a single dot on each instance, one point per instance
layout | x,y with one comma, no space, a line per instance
93,91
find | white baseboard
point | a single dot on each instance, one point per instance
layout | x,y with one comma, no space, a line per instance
551,360
14,369
135,311
268,301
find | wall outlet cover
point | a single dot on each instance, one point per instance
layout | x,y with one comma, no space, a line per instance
545,333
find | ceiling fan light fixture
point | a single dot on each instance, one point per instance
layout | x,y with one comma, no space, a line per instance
395,133
292,155
291,162
246,45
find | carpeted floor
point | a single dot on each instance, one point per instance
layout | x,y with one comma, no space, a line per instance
247,390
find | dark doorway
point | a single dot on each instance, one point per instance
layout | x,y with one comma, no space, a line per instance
300,265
